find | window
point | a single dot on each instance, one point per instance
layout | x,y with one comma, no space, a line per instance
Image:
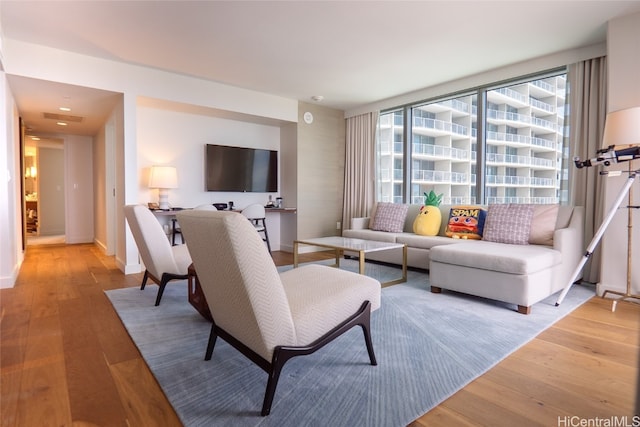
522,145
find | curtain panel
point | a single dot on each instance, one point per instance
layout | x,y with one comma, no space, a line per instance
359,168
588,103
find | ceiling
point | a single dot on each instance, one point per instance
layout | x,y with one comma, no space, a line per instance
349,52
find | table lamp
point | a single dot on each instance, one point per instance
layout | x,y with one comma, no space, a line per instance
163,178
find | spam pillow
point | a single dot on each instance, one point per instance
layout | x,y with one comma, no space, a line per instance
466,222
389,217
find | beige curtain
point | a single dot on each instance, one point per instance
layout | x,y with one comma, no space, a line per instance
588,101
359,167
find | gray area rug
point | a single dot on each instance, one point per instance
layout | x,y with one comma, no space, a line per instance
427,345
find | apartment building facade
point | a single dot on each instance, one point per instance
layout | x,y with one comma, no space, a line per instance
520,158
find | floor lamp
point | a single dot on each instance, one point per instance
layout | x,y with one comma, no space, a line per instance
621,143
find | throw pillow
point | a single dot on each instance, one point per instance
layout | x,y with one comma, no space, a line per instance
509,223
543,224
389,217
466,222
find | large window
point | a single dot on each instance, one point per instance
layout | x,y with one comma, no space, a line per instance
521,146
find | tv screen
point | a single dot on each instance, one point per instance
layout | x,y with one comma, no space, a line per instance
241,169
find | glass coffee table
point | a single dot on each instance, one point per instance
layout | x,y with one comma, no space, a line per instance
362,247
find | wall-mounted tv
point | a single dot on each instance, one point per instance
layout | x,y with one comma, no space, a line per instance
240,169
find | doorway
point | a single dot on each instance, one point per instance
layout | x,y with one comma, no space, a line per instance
44,190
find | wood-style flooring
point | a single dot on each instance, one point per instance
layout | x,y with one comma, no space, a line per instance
66,359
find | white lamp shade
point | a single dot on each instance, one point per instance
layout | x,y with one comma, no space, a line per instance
622,127
163,177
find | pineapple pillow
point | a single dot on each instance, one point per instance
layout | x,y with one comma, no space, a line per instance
466,222
428,221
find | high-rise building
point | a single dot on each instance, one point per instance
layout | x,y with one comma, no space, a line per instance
523,151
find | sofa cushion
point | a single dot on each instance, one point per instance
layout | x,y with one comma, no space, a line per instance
543,224
466,222
509,223
389,217
512,259
424,242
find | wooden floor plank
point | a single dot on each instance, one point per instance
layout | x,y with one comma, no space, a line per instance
518,401
145,404
43,395
111,334
623,351
565,400
485,412
604,331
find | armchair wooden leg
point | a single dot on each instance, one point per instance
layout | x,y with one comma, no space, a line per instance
166,278
366,329
162,285
213,336
144,279
280,357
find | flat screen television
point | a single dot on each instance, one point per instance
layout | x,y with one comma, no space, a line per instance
241,169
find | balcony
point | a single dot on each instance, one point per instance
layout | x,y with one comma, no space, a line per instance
541,142
508,137
506,116
546,124
510,93
536,103
431,176
455,104
440,125
511,159
523,200
522,181
439,151
543,85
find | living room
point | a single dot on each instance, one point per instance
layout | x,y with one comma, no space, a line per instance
166,118
218,114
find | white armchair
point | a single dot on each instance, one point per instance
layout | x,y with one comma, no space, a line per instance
162,261
268,316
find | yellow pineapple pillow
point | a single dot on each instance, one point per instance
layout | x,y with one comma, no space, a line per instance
428,221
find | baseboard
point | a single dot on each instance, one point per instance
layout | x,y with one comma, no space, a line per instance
128,269
8,282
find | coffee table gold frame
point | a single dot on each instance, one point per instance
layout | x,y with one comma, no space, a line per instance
340,245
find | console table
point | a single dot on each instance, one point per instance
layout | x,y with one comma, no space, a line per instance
170,215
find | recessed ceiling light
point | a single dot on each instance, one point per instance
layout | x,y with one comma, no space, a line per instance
61,124
317,98
64,109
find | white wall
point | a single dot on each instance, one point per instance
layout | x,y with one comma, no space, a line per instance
11,254
175,138
623,60
179,138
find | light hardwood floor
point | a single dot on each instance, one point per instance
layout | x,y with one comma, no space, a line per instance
67,360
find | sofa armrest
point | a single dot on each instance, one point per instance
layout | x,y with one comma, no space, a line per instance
570,240
360,223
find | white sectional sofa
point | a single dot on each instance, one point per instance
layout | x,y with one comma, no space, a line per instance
517,274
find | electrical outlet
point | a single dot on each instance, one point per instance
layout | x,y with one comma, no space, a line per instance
338,225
